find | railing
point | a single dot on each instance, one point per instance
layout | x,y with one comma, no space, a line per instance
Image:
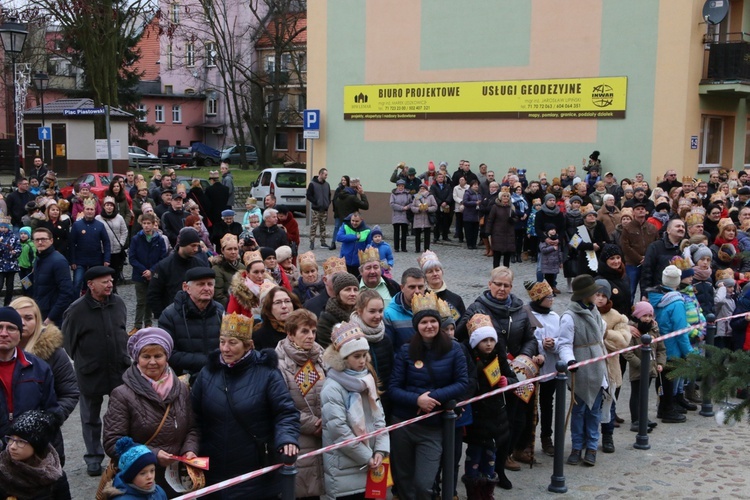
728,57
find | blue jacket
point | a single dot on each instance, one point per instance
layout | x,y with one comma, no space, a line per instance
397,320
351,241
445,378
124,491
254,391
739,324
89,243
53,288
669,310
385,251
144,254
32,388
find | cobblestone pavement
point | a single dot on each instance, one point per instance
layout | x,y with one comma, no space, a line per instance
699,459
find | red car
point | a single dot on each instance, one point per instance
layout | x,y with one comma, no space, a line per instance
99,182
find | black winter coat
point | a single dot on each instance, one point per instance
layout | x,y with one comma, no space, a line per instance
620,287
704,292
195,333
272,237
658,255
266,337
600,237
381,353
520,339
60,232
96,339
217,195
240,410
167,278
53,289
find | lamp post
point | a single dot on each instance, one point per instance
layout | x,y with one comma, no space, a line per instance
13,36
41,82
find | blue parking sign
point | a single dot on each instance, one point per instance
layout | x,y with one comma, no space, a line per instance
311,119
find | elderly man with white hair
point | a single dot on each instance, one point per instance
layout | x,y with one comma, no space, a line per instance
609,214
270,233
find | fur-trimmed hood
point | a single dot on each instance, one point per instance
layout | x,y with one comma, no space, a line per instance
109,491
241,292
50,339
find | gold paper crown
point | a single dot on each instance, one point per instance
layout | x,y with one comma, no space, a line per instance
344,333
512,170
251,201
228,239
109,199
505,189
717,197
723,274
250,257
698,210
266,287
687,179
478,321
538,291
89,203
724,223
307,259
692,195
4,219
681,263
141,185
444,309
427,256
334,265
425,302
693,219
237,326
370,254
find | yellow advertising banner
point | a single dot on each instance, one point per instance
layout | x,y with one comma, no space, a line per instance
601,97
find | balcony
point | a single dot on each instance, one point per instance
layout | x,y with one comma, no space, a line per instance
283,77
726,68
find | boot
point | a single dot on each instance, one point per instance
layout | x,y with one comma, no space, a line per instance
513,259
608,443
511,464
487,247
487,489
680,400
501,480
547,447
525,456
692,394
472,487
519,259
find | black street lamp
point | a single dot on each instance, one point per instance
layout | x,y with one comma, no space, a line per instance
13,36
41,82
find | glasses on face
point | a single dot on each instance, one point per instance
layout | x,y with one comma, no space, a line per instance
9,328
20,443
500,284
286,302
41,239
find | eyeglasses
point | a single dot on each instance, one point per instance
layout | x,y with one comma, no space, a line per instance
501,284
41,239
9,328
20,443
286,302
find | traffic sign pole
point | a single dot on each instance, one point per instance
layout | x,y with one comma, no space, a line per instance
109,143
311,130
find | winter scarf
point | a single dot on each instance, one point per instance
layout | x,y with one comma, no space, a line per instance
537,307
589,225
109,216
372,335
275,274
662,217
701,274
25,479
550,211
163,386
358,383
335,309
721,241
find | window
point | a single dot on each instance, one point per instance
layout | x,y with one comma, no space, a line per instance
189,91
159,113
301,102
170,55
281,141
174,13
169,89
302,62
176,113
190,54
212,103
712,131
301,142
142,113
210,54
284,103
286,60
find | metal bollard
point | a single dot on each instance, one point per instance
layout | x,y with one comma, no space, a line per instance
449,451
288,477
557,481
641,440
707,407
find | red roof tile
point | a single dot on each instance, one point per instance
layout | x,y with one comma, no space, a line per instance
295,24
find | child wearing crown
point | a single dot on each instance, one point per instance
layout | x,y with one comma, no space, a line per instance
487,436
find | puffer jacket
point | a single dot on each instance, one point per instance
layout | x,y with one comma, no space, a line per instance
136,410
398,201
616,337
422,206
241,410
195,333
225,271
49,347
445,378
353,240
471,203
344,475
117,488
117,230
520,339
658,353
309,480
669,311
144,254
53,288
398,322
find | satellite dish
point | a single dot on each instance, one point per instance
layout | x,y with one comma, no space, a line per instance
714,11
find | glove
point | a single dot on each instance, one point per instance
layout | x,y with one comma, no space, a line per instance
503,382
572,362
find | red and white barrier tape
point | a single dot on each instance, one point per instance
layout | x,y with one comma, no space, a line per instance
252,475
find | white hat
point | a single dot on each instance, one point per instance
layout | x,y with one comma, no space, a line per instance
478,335
671,277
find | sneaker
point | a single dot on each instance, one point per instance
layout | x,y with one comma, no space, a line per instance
590,458
574,458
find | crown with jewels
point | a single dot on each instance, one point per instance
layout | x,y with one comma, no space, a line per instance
307,260
686,179
229,239
426,257
369,254
479,321
89,203
444,309
266,287
538,291
424,302
237,326
4,219
693,218
334,265
250,257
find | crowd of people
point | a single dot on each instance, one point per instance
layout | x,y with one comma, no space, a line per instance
246,350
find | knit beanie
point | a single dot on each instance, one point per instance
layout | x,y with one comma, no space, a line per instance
25,230
38,427
671,277
347,338
697,252
266,252
188,236
604,287
642,308
343,280
10,315
133,458
549,197
376,230
423,314
575,198
609,251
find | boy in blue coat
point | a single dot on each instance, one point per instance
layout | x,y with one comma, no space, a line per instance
137,476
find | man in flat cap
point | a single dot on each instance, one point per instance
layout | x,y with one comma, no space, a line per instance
193,320
96,339
169,274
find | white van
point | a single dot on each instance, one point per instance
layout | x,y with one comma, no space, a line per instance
289,185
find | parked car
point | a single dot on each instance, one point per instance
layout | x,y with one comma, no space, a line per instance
99,182
288,184
231,154
188,182
139,157
205,155
176,155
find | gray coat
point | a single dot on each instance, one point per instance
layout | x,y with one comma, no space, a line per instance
398,201
581,338
422,218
